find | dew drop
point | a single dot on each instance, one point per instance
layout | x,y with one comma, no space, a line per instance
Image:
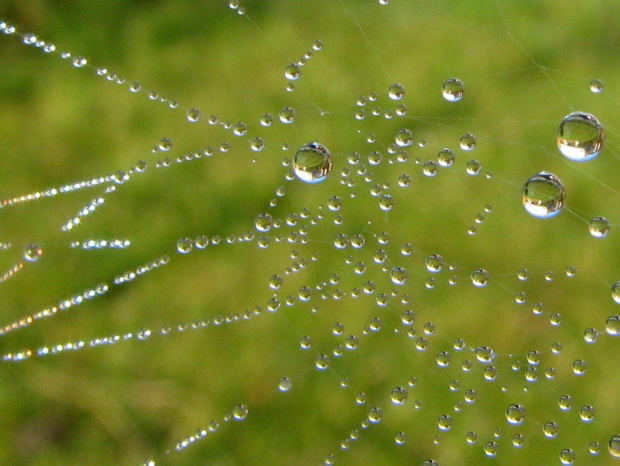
399,396
543,195
32,253
515,414
396,92
445,158
612,326
567,456
479,278
452,90
263,222
580,137
444,422
375,415
292,71
312,163
596,86
399,276
285,384
193,115
599,227
185,245
79,61
403,138
287,115
615,292
240,412
614,446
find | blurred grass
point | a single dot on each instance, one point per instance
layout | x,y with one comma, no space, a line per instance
123,403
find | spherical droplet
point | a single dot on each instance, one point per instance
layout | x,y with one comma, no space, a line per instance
292,71
193,115
263,222
599,227
479,278
515,414
287,115
550,429
399,276
285,384
614,446
612,326
375,415
615,292
580,137
445,158
396,91
543,195
312,163
452,90
240,412
434,263
32,253
587,413
596,86
399,396
567,456
444,422
185,245
403,138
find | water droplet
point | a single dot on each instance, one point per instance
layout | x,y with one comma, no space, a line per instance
399,276
32,253
444,422
480,278
614,446
587,413
285,384
580,137
193,115
599,227
322,362
287,115
452,90
543,195
396,92
445,158
240,412
515,414
292,71
79,61
403,138
596,86
257,144
567,456
185,245
467,142
399,437
491,449
429,168
434,263
550,429
263,222
375,415
312,163
579,367
399,396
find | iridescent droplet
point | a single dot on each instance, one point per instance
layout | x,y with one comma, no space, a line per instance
543,195
580,137
32,253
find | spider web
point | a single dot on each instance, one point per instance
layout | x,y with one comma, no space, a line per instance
173,292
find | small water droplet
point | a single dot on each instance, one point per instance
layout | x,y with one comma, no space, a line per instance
396,92
452,90
312,163
515,414
599,227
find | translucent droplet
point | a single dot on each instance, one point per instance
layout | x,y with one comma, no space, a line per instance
473,167
579,367
263,222
491,449
399,276
452,90
445,158
399,437
292,71
444,422
614,446
396,92
240,412
580,137
386,203
257,144
193,115
287,115
312,163
567,456
515,414
550,429
375,415
285,384
479,278
543,195
518,440
266,120
399,396
596,86
239,129
429,168
467,142
587,413
32,253
471,437
599,227
185,245
403,138
615,292
484,354
434,263
164,145
322,362
79,61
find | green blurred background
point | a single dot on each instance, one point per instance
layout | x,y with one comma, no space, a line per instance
525,65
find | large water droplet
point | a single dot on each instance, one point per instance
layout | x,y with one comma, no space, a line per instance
452,90
515,414
543,195
580,137
396,92
614,446
313,162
